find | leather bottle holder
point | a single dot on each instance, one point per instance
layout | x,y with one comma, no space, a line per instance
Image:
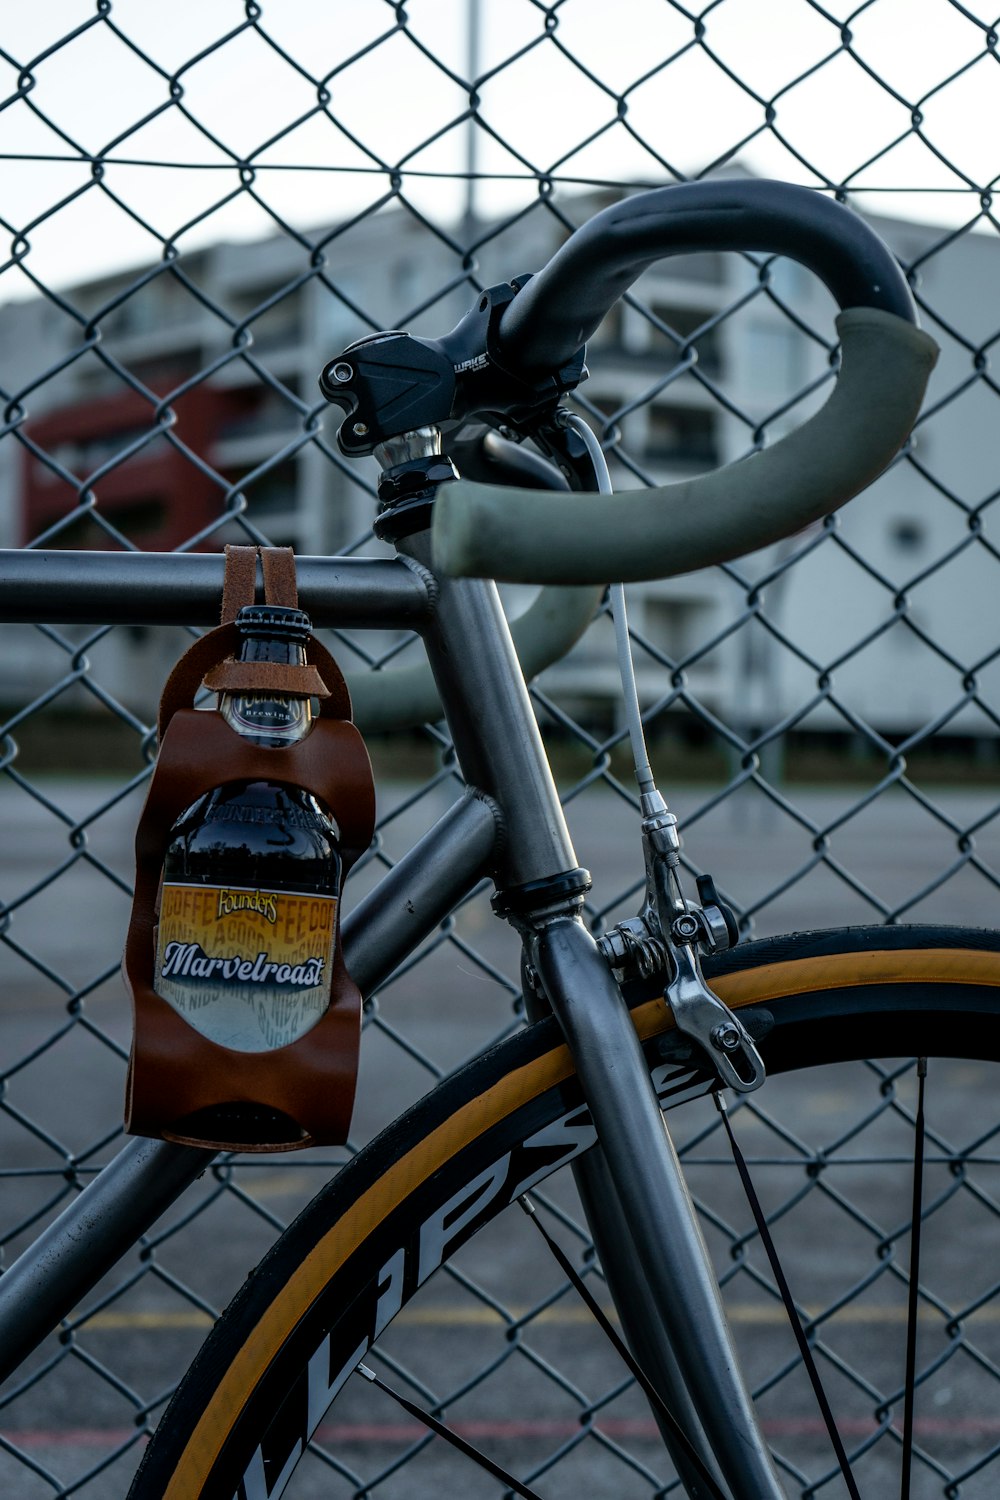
174,1071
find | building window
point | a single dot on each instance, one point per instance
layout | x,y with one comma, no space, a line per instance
261,410
676,627
273,327
773,354
139,520
84,456
608,406
683,324
683,436
271,493
339,311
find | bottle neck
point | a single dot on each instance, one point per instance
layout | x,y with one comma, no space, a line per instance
270,719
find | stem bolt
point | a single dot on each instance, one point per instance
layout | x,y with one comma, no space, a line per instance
360,429
726,1037
342,373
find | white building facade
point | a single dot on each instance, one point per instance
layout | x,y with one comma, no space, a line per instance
887,617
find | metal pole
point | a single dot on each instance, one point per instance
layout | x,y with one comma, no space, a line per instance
184,588
488,709
472,64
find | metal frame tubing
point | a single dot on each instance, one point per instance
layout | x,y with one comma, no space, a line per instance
68,1258
421,890
490,716
472,656
630,1293
489,713
184,588
657,1207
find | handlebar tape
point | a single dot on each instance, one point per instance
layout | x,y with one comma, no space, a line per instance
535,536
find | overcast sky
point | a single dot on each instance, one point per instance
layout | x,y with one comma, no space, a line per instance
680,110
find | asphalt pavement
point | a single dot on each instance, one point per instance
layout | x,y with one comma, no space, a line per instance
65,864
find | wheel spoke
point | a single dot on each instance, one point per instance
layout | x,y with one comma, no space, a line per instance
805,1351
912,1305
635,1369
449,1434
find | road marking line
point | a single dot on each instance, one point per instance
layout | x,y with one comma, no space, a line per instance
525,1430
476,1317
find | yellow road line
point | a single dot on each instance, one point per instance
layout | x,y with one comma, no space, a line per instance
478,1317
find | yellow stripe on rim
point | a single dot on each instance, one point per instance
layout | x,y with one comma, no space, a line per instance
837,971
769,981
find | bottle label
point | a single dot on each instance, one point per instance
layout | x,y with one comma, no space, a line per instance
249,969
267,716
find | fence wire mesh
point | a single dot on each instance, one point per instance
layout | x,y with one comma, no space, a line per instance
204,203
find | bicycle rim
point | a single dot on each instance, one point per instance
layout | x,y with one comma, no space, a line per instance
412,1258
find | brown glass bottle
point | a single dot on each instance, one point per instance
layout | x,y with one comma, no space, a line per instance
251,880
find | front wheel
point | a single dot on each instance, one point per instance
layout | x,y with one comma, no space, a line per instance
417,1261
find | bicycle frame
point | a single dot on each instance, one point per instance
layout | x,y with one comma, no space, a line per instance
634,1192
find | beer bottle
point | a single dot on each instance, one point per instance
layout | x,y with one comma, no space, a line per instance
251,877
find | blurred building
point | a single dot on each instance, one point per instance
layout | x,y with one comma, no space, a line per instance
151,405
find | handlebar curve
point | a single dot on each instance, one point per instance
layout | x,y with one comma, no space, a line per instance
560,307
533,537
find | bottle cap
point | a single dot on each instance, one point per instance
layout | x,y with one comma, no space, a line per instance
276,621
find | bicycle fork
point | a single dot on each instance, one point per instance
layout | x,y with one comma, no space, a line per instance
645,1219
540,890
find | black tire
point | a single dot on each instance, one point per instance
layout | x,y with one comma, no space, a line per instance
449,1167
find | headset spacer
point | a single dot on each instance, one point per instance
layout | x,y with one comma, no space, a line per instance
534,894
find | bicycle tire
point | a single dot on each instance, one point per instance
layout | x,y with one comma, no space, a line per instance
242,1415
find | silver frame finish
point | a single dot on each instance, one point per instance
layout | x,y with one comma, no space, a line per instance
509,826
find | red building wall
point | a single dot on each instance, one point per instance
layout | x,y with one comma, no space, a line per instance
158,497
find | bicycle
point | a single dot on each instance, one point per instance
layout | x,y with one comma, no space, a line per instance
301,1332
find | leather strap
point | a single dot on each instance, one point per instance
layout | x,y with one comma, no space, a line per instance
290,680
280,587
175,1072
239,584
212,659
278,567
239,587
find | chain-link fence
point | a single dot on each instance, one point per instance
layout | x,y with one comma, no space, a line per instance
203,204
